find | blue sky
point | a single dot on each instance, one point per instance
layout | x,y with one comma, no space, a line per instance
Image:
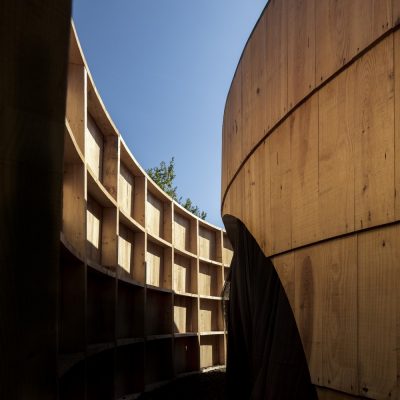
163,69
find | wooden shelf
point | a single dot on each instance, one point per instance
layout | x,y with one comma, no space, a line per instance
159,365
100,376
186,355
211,351
210,315
158,312
158,214
73,383
207,243
185,231
159,266
184,274
185,314
210,279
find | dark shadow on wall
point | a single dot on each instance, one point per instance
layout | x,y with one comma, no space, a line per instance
265,356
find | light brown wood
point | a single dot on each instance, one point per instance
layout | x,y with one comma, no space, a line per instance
227,250
373,116
341,30
125,247
301,49
396,13
304,173
207,243
284,266
185,274
154,215
210,315
94,217
185,314
281,186
210,283
155,265
126,190
378,305
94,147
182,237
210,351
111,165
336,148
397,121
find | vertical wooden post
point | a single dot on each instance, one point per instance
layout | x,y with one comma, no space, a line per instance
33,69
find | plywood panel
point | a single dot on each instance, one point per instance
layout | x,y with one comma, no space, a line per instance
344,28
125,248
336,158
301,49
276,60
309,291
207,243
211,348
155,265
373,115
185,274
110,165
280,164
210,318
284,266
339,313
109,245
126,189
378,303
304,157
181,232
210,279
396,12
397,121
94,216
254,89
94,146
76,102
227,250
154,215
185,314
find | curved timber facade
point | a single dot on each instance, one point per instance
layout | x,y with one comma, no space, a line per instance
311,166
141,277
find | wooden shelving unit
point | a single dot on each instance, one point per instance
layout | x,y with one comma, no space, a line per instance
141,277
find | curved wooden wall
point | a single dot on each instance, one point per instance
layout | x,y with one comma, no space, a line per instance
311,166
141,278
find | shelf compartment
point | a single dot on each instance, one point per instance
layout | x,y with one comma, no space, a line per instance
129,371
210,317
210,279
73,206
130,311
100,376
158,312
211,351
75,104
185,274
159,217
227,250
158,361
185,229
72,304
101,235
226,273
72,384
158,265
207,243
131,254
186,355
101,291
185,314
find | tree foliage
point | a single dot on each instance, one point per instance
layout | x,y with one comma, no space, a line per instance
164,175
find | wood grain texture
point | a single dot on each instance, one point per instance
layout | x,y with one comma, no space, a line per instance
185,314
185,274
210,279
210,351
155,265
344,28
254,90
309,290
301,49
276,54
372,83
281,186
284,266
181,232
304,176
207,243
339,317
336,148
397,122
125,248
396,13
126,190
209,317
94,146
154,215
378,305
94,219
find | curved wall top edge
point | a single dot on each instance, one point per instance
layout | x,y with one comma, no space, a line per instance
388,10
77,57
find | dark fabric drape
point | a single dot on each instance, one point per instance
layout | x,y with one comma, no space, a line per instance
265,354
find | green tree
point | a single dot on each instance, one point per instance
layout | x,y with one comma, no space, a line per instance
164,176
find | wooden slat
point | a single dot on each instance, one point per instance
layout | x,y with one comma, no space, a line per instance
181,232
155,265
185,316
94,219
125,248
372,84
227,250
336,159
309,292
284,266
301,49
396,12
276,60
111,165
344,28
378,305
210,281
339,314
207,243
304,158
254,89
281,176
185,275
126,189
94,146
397,122
210,318
154,215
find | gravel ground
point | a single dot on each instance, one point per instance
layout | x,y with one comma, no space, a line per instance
203,386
